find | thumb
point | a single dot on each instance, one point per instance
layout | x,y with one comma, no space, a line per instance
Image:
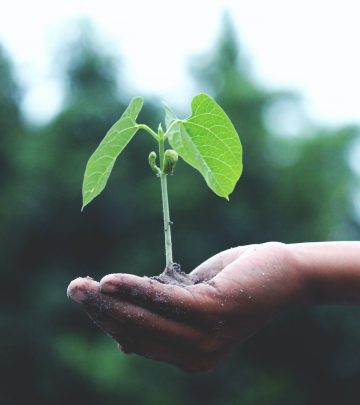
211,267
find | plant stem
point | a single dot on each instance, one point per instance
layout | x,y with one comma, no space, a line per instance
165,203
171,127
149,130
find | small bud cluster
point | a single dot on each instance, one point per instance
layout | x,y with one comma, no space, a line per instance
152,162
170,160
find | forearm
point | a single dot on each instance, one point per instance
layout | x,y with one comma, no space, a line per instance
331,271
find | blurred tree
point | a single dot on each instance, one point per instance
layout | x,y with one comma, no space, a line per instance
10,119
291,190
9,96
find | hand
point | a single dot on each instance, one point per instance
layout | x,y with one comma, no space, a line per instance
196,326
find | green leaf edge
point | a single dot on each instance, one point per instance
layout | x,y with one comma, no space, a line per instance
170,117
132,111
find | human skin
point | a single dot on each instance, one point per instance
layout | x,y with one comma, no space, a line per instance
237,293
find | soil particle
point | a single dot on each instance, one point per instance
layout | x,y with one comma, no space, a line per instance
174,276
135,292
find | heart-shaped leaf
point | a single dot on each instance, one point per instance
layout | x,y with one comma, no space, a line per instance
101,162
208,141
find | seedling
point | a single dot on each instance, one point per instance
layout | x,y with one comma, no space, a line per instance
206,140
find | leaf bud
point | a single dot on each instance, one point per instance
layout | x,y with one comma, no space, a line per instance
152,162
160,130
170,160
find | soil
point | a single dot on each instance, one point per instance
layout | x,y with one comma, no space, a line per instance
173,275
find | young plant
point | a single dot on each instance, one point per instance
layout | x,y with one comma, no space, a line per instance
206,140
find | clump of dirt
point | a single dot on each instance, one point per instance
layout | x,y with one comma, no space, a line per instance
175,276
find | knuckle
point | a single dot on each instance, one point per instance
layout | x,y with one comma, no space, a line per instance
272,243
279,249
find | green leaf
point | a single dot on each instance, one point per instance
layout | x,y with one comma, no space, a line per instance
101,162
208,141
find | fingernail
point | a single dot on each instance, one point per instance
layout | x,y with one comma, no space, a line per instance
108,284
78,290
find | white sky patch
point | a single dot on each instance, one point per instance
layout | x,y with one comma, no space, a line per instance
308,46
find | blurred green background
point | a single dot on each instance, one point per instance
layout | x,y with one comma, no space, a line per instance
293,189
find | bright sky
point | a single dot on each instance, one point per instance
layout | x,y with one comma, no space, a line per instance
308,46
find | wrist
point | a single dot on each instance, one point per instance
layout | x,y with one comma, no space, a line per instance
330,271
299,277
299,262
291,283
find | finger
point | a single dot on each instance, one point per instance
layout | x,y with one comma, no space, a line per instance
191,302
189,359
139,320
208,269
80,289
113,328
245,265
188,303
84,291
